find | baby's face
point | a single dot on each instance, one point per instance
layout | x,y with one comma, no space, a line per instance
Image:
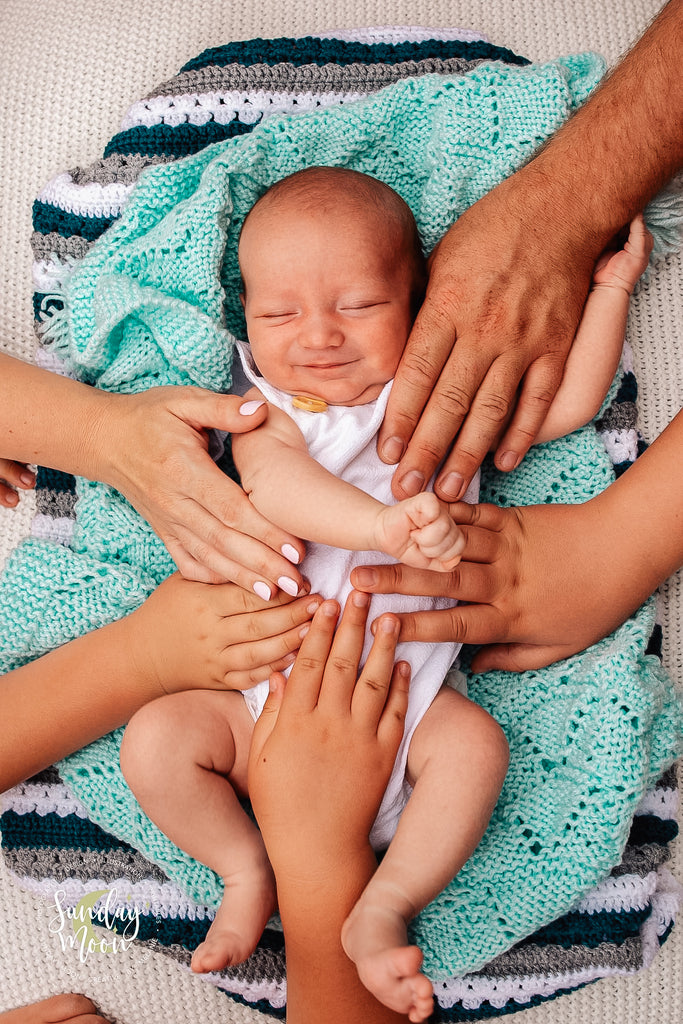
327,302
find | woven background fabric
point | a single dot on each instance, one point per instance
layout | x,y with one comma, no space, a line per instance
63,99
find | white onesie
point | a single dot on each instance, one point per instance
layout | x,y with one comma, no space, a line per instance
343,440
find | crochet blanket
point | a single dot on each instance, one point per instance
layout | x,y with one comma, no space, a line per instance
588,737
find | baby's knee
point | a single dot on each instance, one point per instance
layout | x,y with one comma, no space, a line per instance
151,737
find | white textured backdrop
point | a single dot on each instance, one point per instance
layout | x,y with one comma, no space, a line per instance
68,71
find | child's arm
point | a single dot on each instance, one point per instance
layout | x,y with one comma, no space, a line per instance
596,351
287,486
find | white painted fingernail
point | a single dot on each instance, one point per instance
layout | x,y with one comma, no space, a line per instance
249,407
290,553
288,585
263,590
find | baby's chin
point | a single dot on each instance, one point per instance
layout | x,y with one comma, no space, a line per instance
339,393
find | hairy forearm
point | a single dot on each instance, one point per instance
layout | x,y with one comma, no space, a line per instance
51,420
54,705
622,146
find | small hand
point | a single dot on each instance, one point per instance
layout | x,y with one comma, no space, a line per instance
190,634
325,744
420,532
13,475
62,1009
622,269
506,291
158,447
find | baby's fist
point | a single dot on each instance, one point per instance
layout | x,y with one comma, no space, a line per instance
419,532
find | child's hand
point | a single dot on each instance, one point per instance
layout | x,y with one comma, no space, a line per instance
191,635
420,532
622,269
13,475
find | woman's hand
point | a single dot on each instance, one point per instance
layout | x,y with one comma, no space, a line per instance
13,475
506,290
157,450
324,746
189,635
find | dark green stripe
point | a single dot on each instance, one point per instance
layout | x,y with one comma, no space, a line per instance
47,218
52,830
336,51
176,142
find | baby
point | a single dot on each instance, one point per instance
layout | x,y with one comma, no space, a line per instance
333,274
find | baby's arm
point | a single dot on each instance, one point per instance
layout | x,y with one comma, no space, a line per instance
286,485
595,355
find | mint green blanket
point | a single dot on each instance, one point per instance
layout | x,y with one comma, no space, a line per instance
156,302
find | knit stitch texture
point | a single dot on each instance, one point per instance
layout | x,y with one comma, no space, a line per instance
155,302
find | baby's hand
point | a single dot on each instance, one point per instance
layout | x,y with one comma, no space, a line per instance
419,532
622,269
13,475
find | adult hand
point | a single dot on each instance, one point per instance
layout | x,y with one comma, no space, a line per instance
14,475
189,635
544,581
324,746
506,289
157,446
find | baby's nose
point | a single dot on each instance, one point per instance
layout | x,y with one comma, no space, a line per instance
322,332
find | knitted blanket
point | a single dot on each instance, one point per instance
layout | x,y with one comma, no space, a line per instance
141,307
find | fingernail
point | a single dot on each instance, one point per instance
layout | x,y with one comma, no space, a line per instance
250,407
303,631
329,608
451,486
404,668
289,586
290,553
28,479
413,482
289,658
365,577
262,590
312,607
508,461
388,626
359,599
392,449
11,499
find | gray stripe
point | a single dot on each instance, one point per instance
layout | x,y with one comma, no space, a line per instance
525,960
54,244
57,504
641,860
119,168
619,416
264,965
62,863
308,77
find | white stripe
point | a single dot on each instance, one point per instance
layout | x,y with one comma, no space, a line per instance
53,798
624,893
88,200
400,34
663,803
223,107
59,529
621,445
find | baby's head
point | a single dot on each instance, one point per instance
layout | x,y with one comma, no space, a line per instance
333,274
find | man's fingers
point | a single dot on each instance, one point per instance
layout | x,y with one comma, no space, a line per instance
517,657
426,352
539,388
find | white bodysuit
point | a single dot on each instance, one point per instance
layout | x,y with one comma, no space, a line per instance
343,440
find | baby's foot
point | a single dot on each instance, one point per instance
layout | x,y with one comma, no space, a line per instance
420,532
375,938
248,902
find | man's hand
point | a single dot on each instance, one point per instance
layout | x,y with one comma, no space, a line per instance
504,299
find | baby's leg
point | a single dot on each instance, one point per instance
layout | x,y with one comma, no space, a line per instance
457,762
185,758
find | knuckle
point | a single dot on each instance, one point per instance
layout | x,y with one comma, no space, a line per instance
451,397
341,664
